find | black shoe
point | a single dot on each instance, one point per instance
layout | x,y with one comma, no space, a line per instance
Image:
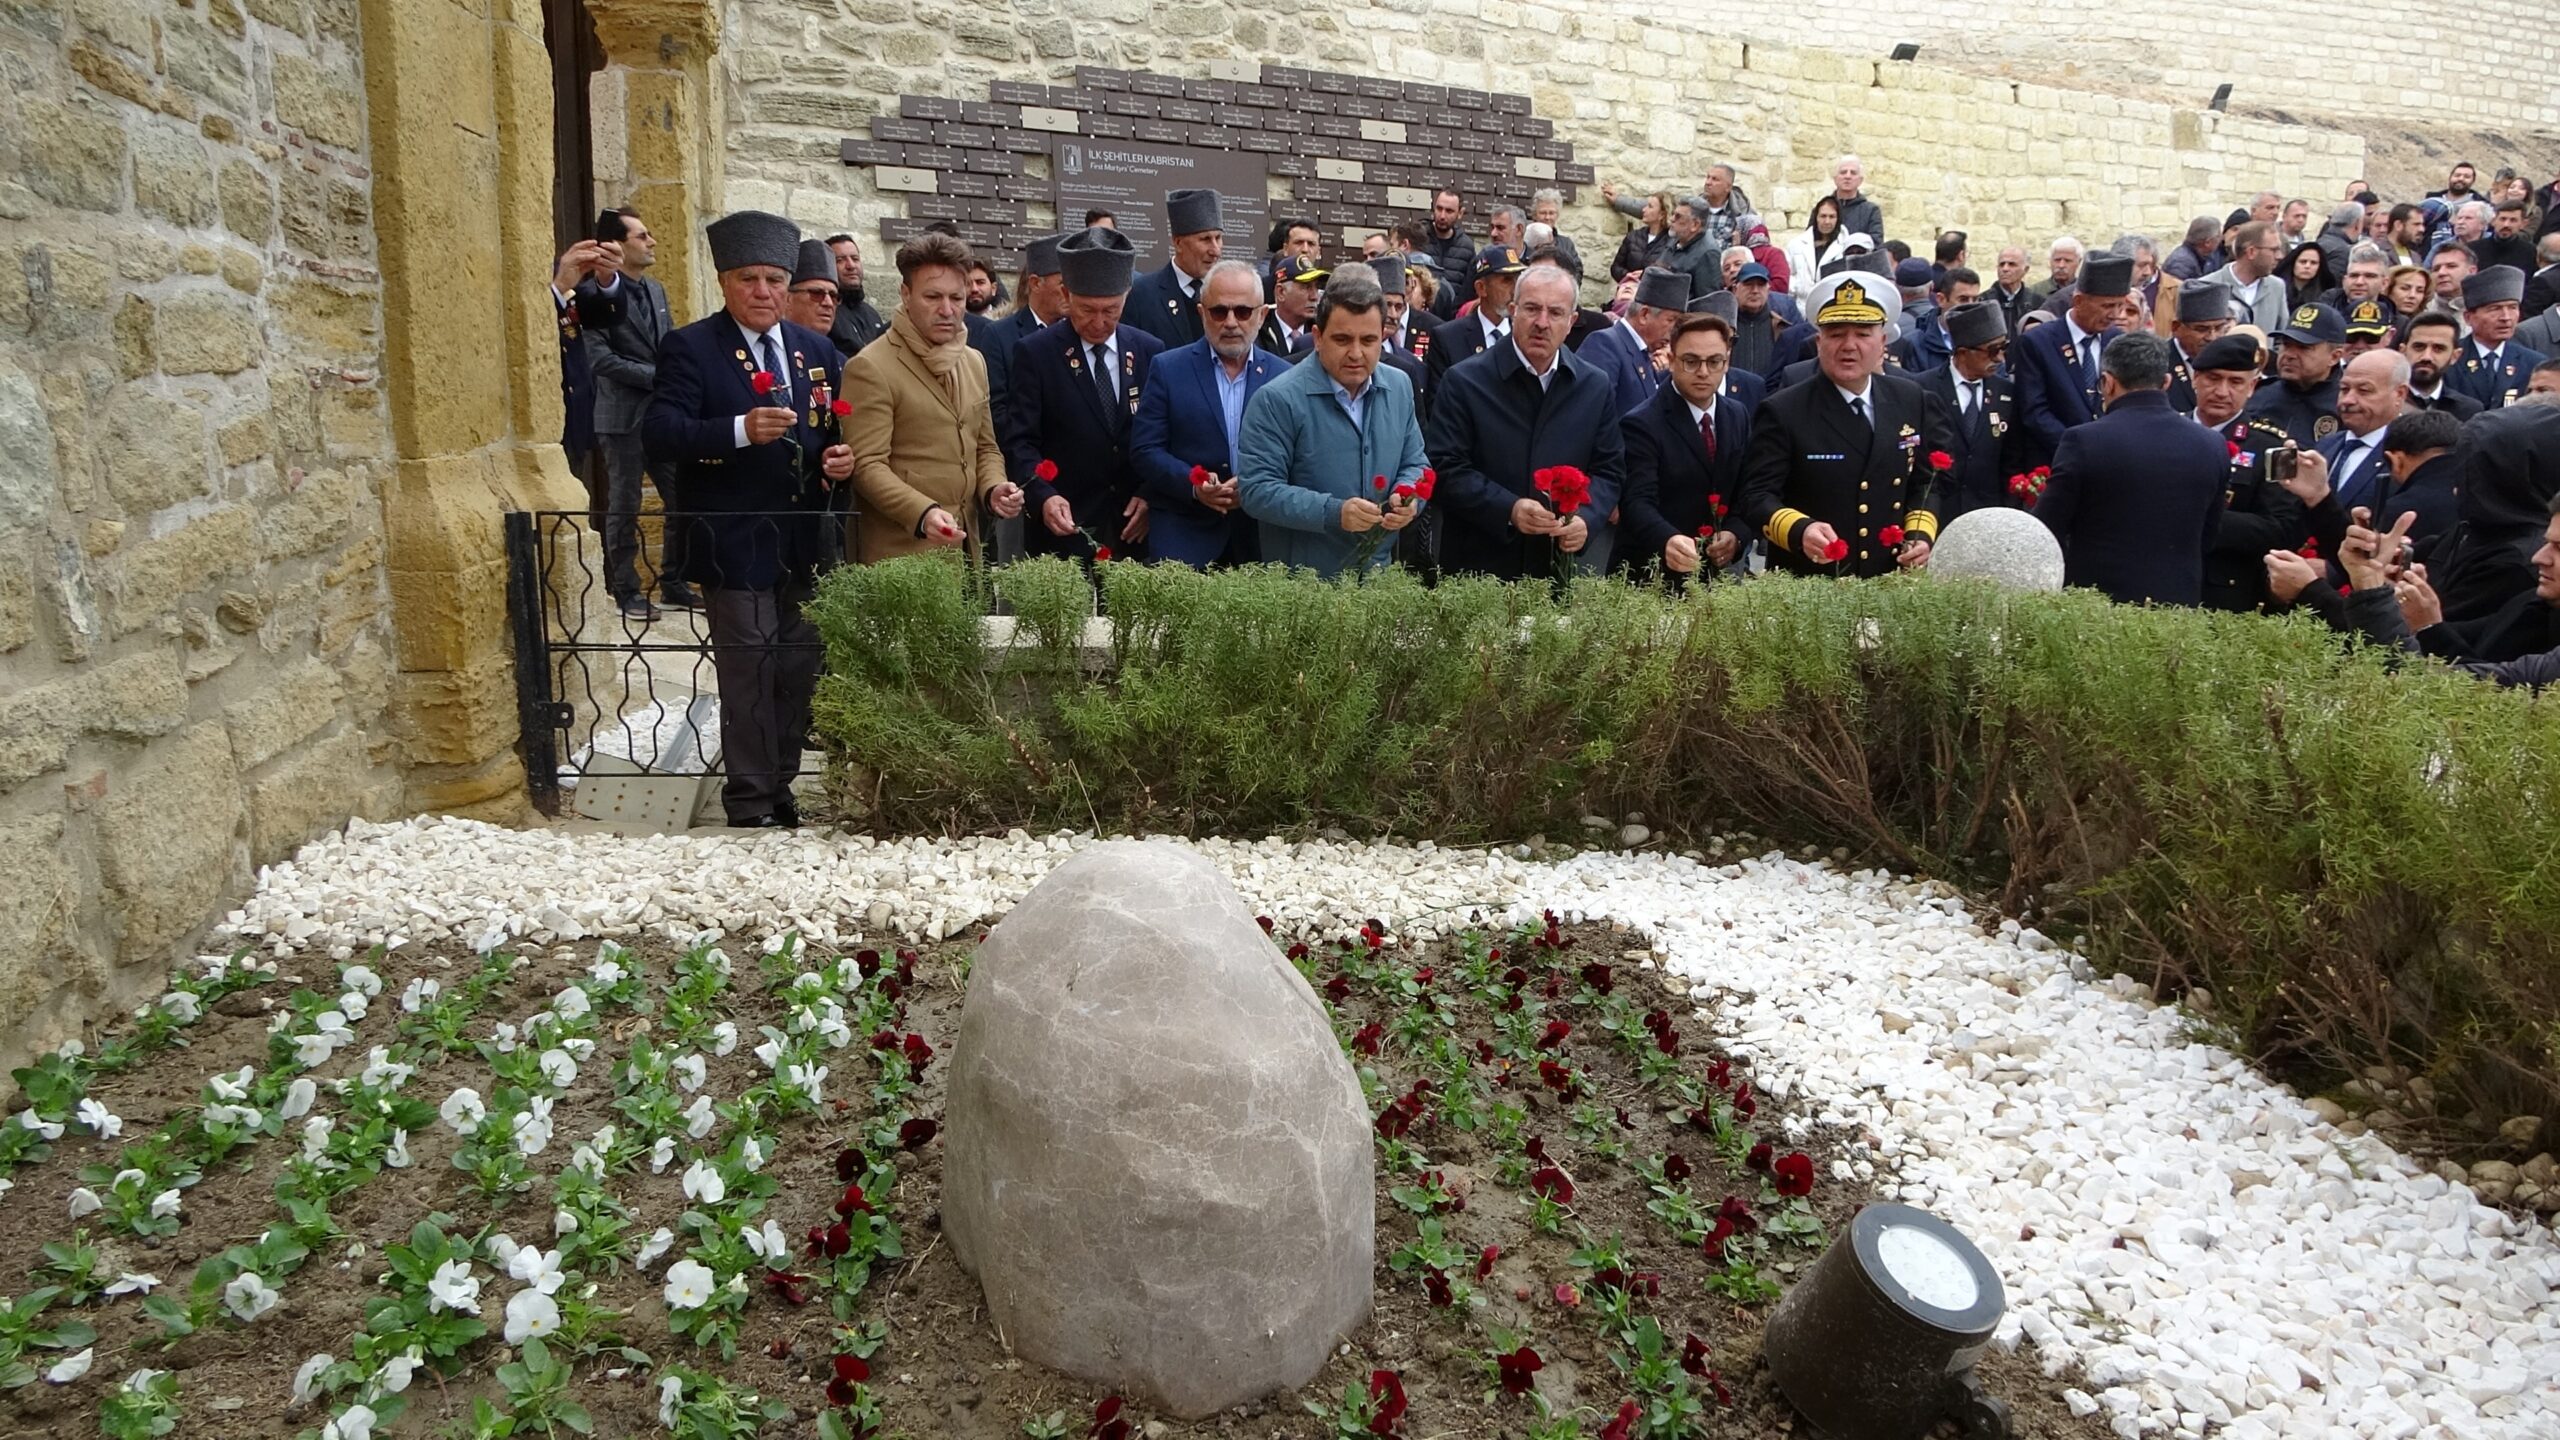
679,596
787,814
637,607
758,822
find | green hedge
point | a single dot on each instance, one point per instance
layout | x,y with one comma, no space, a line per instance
2361,864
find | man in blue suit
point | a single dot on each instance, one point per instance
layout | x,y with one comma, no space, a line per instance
740,413
2492,369
2057,366
1075,386
1624,351
1684,462
1190,415
2137,493
1166,303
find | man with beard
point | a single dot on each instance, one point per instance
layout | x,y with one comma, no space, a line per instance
2258,515
2431,344
1190,420
2304,402
2493,368
857,322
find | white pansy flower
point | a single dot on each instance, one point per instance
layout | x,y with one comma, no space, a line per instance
130,1283
585,1158
463,1111
353,1005
396,1155
605,972
503,1039
503,1251
421,993
84,1201
234,1086
572,1003
304,1378
834,1031
564,1222
689,1071
361,978
128,1173
297,1098
48,1129
660,1154
247,1297
140,1380
531,1314
751,1154
703,1183
100,1120
699,1117
182,1006
689,1284
768,1243
314,1049
769,1054
670,1397
536,1267
580,1048
164,1204
558,1068
809,1080
355,1424
72,1367
380,1070
395,1372
533,1125
241,1116
653,1247
315,1136
724,1037
454,1288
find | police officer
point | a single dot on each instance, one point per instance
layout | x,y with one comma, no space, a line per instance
2304,401
2369,327
2258,514
2202,317
1840,469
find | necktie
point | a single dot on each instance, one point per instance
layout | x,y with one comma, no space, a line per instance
1972,397
2351,472
2089,362
1707,433
1858,407
1107,384
772,354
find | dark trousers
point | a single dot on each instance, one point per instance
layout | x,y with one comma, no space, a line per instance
766,656
624,463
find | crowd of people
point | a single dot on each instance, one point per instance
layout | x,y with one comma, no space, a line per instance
2359,420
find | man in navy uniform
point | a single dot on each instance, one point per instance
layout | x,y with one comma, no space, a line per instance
2136,494
1624,351
2303,403
2493,369
1840,473
739,414
2057,367
2258,515
1190,414
1497,270
1526,405
1684,461
1981,406
1166,303
1075,385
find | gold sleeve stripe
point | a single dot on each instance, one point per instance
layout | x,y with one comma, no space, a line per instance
1920,523
1780,523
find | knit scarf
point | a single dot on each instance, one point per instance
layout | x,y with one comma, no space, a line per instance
942,362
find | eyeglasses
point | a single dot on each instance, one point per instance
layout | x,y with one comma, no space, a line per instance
1699,362
1229,312
826,295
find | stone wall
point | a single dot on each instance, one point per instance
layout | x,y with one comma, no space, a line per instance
1647,99
193,640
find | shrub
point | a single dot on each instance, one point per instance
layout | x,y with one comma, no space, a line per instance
2362,864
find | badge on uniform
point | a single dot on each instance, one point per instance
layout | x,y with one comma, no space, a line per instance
1826,457
2324,427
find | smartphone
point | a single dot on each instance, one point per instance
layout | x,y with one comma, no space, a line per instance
2283,463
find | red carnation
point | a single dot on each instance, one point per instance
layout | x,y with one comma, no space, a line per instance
1429,482
1102,552
841,408
1386,1400
1519,1370
763,382
1377,482
1795,1174
1941,460
1045,470
1405,492
1200,476
1890,536
1836,551
2235,448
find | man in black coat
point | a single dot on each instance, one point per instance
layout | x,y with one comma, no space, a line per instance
1075,385
1841,469
738,413
1499,418
1981,409
1497,270
2137,493
1166,303
579,303
2303,402
858,322
1446,242
2493,369
2258,514
2432,342
1684,462
624,355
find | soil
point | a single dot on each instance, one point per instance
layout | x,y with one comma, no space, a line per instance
943,1370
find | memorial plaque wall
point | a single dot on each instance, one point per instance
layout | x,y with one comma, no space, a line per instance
1353,152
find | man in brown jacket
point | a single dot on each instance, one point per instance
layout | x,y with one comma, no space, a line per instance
923,440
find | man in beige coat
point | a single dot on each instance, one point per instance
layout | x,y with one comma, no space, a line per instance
923,440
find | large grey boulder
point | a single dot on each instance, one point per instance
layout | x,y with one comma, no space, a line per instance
1996,543
1157,1158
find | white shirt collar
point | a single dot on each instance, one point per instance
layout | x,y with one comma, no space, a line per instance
2079,337
1553,365
1697,414
1864,393
1492,327
755,336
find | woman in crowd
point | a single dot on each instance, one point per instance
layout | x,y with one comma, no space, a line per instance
1821,243
1644,244
2306,275
2406,288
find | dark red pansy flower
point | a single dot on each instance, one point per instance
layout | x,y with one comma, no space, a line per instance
1298,950
918,1132
1555,1033
1693,1355
1703,1118
1423,976
1107,1424
793,1289
1667,1040
852,1200
885,1040
867,962
1484,1052
918,1053
850,1163
1890,536
1720,1074
1625,1121
1338,989
1550,1183
1597,977
1519,1370
1386,1399
1795,1174
829,1241
1485,1259
1557,1077
1515,977
1738,1211
1568,1297
780,1349
1676,1168
1715,1238
1760,1156
1610,1276
1744,1104
1045,470
1265,922
1393,1122
1536,1148
1365,1039
1621,1426
1647,1283
1435,1284
849,1371
1836,551
762,382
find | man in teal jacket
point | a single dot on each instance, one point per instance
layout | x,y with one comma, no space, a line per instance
1330,454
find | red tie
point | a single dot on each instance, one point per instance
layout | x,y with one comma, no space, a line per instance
1707,433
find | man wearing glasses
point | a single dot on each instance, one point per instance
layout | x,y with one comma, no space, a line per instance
1981,408
1191,418
1684,462
812,303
